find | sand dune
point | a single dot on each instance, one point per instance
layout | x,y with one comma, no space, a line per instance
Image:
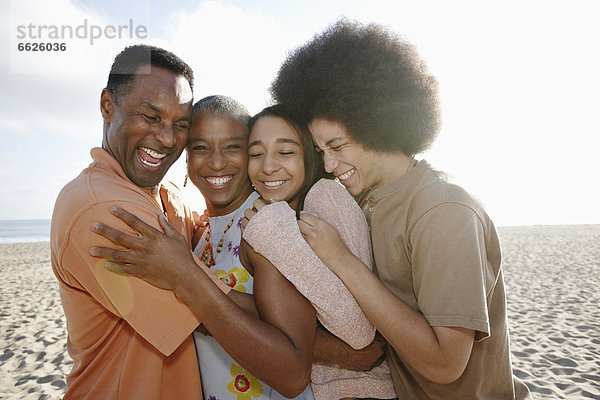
552,279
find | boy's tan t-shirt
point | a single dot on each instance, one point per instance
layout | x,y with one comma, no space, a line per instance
437,250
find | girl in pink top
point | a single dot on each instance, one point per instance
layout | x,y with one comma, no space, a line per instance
283,169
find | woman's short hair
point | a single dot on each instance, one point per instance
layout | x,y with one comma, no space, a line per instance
222,105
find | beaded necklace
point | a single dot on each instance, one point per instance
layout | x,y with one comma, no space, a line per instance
207,254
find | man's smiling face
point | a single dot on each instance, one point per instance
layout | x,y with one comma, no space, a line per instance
147,129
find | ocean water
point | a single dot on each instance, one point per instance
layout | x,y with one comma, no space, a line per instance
29,230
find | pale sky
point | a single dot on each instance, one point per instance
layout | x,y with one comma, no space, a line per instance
519,81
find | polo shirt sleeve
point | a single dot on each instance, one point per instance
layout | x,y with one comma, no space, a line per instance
450,268
155,314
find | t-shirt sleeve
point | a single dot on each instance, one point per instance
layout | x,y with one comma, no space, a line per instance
156,314
450,268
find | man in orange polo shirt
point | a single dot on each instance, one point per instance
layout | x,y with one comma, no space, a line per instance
128,339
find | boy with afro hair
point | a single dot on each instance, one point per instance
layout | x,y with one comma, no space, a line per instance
437,295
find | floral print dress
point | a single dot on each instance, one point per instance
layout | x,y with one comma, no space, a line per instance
222,377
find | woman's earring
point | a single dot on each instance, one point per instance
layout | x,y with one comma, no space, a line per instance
185,180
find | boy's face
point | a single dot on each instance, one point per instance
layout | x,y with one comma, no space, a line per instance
217,159
355,166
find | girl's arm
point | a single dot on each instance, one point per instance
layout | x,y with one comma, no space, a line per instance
276,224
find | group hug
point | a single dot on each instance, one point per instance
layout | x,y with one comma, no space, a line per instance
330,263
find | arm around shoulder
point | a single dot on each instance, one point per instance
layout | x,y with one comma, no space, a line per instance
336,308
438,353
155,314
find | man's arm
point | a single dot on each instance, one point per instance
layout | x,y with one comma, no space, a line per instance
438,353
276,349
244,301
154,314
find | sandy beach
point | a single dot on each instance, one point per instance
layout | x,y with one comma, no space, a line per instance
552,277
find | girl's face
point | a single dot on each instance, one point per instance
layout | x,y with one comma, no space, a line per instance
276,160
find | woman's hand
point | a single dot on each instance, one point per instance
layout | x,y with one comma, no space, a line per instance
162,259
325,241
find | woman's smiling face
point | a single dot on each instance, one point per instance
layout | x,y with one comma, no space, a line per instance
276,162
217,159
